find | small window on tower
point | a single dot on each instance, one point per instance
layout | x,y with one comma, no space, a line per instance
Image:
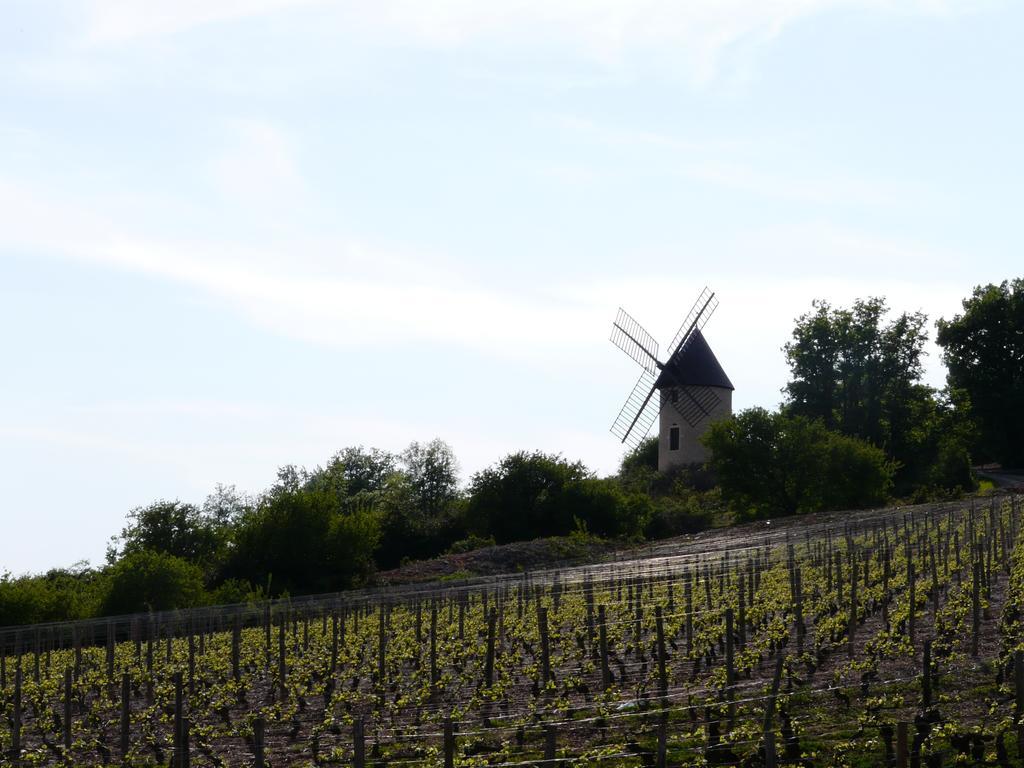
673,438
673,395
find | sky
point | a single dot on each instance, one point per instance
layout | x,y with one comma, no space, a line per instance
239,234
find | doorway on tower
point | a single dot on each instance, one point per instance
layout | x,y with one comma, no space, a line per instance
673,437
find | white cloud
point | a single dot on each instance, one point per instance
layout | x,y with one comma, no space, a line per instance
349,294
116,21
339,297
257,168
695,32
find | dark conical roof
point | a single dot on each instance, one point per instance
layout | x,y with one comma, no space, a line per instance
695,366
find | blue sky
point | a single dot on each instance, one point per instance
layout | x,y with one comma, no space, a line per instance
235,235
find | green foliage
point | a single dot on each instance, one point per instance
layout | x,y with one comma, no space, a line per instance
174,528
983,348
529,495
58,595
305,535
470,543
641,462
518,498
420,505
151,581
685,510
366,471
432,472
771,464
860,375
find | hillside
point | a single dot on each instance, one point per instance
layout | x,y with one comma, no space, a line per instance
664,655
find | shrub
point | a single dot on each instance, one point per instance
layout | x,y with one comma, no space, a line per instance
773,464
152,581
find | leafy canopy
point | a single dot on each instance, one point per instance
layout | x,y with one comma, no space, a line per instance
770,464
983,349
859,373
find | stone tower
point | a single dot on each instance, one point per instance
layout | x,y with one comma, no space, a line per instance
694,391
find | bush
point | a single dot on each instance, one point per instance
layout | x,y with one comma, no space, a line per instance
304,537
773,464
470,543
681,513
152,581
531,495
58,595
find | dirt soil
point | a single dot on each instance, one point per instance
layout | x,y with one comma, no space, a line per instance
502,559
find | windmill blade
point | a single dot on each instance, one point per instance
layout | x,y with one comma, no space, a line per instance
698,316
629,336
694,404
638,413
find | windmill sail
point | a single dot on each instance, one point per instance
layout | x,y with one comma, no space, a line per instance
629,336
698,316
687,382
638,413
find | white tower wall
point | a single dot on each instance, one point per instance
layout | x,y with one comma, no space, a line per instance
690,450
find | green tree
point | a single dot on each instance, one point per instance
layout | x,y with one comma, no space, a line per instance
856,373
860,374
527,495
366,471
638,470
173,528
983,349
433,475
151,581
771,464
305,535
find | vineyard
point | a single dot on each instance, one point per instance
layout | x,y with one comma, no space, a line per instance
890,637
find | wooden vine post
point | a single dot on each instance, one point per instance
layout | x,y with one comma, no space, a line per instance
550,741
126,714
434,677
1018,679
179,722
382,644
902,752
975,608
688,595
659,626
851,631
769,713
16,716
602,630
545,654
358,743
489,662
236,649
926,675
730,664
449,743
67,709
258,736
282,659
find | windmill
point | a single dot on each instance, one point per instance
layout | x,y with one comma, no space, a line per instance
692,389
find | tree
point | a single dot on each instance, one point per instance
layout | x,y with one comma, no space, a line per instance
983,349
305,535
857,374
433,474
771,464
527,495
173,528
366,471
638,470
860,375
225,506
152,581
